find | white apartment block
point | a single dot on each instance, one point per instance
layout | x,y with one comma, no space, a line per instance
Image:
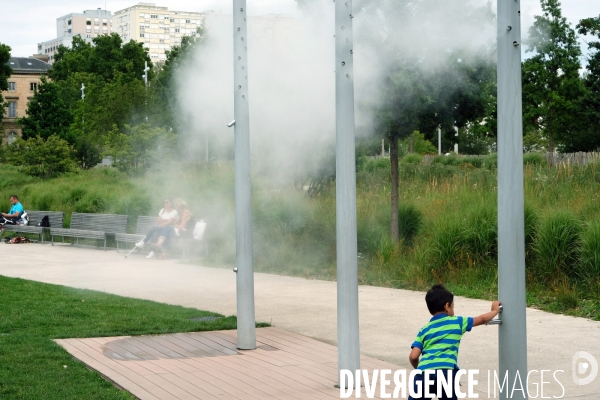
87,25
157,27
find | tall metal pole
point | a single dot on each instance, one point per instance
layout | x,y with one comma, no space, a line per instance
439,140
246,325
512,337
347,252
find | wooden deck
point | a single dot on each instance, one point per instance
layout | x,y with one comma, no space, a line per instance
207,365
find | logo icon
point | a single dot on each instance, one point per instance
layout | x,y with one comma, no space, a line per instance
584,363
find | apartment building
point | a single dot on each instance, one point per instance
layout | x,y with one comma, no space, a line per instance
88,25
22,84
157,27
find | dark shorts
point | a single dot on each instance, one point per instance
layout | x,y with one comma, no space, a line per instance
433,385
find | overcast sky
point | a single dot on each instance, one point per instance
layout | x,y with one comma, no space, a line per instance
29,22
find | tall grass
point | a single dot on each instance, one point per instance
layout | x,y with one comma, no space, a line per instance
557,246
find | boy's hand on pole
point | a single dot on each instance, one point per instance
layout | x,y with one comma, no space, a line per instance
496,306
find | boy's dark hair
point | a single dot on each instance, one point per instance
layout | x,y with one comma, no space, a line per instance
437,297
14,196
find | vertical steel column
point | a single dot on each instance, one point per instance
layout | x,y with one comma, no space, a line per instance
439,140
511,230
347,265
246,327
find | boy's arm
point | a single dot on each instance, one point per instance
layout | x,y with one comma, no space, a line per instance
414,357
487,317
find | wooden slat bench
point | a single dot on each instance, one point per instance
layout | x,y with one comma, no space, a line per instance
144,223
56,219
92,226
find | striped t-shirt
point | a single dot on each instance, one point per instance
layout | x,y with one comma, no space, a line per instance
439,341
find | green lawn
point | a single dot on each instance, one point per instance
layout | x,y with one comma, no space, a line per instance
32,366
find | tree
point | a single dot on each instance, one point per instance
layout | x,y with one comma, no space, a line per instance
552,86
41,157
47,113
139,147
439,83
588,138
107,58
162,96
5,72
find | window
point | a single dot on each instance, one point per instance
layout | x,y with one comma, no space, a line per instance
172,20
33,86
12,109
12,136
12,86
154,16
176,30
69,22
141,35
88,21
187,21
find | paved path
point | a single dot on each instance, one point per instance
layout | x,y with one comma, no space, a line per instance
389,318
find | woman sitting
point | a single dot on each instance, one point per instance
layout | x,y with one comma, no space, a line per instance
166,218
182,228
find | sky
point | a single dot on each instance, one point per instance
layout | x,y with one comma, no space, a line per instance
30,22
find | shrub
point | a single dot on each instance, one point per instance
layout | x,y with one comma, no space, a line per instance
40,157
531,223
481,233
376,164
412,158
557,244
534,159
589,261
410,222
447,243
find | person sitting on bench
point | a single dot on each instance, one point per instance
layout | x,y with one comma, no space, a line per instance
15,211
166,218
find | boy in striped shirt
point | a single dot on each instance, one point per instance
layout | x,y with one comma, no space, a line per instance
437,342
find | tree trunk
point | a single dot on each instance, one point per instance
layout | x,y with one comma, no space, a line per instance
394,174
550,135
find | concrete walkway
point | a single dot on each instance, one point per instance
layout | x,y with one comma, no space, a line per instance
389,318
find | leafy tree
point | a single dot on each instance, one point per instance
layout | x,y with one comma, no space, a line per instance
424,88
551,83
107,57
41,157
140,147
47,113
588,138
5,72
162,97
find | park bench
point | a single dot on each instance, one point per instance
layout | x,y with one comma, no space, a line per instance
55,218
144,223
91,226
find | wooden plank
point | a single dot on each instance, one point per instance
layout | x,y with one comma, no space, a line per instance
196,390
93,358
210,351
270,371
213,387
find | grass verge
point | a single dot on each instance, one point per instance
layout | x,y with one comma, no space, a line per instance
32,366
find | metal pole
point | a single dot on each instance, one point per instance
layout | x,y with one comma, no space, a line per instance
511,225
347,266
439,140
246,325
